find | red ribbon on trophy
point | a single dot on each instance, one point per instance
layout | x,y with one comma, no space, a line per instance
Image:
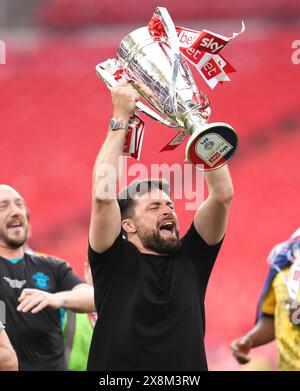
201,48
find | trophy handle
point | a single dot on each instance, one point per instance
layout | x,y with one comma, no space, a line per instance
173,41
170,104
211,146
111,82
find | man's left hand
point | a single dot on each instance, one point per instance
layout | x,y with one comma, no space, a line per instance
36,300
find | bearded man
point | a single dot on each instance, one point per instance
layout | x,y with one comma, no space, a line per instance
149,284
33,288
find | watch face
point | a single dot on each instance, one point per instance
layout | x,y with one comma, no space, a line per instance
115,125
112,123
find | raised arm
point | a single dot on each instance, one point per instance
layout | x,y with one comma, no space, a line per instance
105,223
211,218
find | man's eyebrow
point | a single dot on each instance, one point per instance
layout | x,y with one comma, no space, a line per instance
160,202
154,203
16,199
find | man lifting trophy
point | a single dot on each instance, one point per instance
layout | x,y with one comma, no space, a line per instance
150,283
156,57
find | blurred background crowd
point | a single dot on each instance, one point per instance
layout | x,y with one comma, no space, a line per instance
54,113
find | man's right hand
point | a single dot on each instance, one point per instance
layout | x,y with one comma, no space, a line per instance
124,98
240,349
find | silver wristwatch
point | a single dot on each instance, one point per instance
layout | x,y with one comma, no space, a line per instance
116,125
2,327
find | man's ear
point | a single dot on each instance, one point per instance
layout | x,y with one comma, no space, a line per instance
128,226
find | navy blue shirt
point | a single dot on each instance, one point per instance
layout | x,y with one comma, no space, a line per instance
37,338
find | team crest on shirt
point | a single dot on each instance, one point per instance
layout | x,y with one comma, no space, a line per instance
41,280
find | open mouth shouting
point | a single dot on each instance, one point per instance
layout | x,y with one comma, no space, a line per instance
168,228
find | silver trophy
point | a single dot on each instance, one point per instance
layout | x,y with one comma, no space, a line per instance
175,101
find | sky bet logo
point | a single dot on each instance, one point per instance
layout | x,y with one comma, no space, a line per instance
187,38
2,52
212,44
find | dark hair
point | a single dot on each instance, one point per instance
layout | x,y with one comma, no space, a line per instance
126,197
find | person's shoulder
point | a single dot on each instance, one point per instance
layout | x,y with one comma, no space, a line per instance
191,231
47,259
283,252
118,245
192,235
278,248
285,271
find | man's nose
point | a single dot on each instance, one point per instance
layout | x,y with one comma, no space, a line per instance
14,210
167,210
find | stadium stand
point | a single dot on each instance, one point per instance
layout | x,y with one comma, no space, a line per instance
78,13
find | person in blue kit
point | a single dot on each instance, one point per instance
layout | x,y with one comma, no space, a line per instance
34,288
149,284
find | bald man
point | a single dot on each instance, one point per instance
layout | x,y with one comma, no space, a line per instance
34,288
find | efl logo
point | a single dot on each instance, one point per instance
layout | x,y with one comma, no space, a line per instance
187,38
2,52
212,44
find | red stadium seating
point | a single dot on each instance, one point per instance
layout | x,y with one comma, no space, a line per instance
78,13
